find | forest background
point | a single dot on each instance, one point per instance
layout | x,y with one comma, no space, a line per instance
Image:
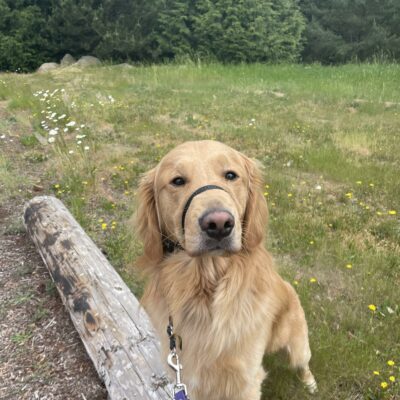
229,31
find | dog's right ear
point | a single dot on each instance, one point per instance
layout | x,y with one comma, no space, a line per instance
147,224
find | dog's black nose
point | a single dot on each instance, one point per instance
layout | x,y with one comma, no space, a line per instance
218,224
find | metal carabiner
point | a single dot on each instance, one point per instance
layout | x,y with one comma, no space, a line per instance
180,391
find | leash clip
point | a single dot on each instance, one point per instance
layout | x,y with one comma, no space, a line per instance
180,391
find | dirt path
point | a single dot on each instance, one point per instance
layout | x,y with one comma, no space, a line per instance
41,355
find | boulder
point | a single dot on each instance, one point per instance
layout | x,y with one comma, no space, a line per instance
48,67
67,60
88,61
125,65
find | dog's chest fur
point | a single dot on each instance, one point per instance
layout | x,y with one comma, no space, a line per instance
219,307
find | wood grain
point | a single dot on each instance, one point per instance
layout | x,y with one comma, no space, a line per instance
114,329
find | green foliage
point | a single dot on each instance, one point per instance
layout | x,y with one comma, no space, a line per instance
23,41
231,31
344,30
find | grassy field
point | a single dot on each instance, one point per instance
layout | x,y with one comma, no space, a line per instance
329,138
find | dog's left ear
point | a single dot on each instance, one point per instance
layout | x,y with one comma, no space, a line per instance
256,214
147,224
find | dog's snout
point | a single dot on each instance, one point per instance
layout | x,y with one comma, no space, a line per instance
217,224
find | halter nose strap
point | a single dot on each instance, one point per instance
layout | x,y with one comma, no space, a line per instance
193,195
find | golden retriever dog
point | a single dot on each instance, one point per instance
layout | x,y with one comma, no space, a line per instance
202,218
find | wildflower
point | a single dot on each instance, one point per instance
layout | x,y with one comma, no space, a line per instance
100,220
392,212
71,123
392,378
390,363
376,372
295,283
71,152
265,194
62,116
349,195
371,185
313,280
311,241
126,192
349,266
103,226
56,186
359,182
290,195
372,307
53,132
51,140
82,126
84,182
384,385
86,148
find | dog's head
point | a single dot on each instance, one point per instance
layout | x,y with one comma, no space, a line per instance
206,198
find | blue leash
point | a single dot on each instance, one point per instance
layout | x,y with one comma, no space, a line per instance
180,391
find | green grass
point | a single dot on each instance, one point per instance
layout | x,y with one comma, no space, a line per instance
329,139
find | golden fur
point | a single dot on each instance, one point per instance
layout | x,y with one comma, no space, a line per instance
228,303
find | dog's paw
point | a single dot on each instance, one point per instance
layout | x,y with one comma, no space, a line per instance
312,387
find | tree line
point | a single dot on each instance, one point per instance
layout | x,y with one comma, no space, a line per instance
228,31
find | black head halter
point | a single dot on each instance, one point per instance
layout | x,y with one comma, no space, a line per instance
169,245
192,196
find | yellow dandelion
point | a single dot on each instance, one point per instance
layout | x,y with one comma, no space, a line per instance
384,385
273,204
349,266
390,363
371,185
265,194
266,186
372,307
295,283
56,186
378,213
359,182
349,195
126,182
311,242
100,220
392,212
126,192
376,372
290,195
313,280
84,182
392,378
103,226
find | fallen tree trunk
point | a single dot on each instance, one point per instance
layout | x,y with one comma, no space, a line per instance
115,330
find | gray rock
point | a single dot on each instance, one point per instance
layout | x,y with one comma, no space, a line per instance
88,61
67,60
125,65
48,67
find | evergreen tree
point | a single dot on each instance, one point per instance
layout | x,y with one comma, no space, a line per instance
344,30
71,27
23,36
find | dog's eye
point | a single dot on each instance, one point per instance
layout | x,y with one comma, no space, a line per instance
231,176
179,181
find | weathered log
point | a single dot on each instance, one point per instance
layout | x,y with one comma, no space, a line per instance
114,329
